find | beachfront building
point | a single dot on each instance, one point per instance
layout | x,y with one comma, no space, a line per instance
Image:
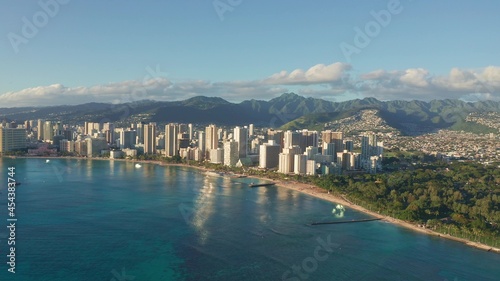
231,154
216,155
300,164
269,155
149,138
12,139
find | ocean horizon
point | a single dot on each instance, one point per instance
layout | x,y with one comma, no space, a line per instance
83,219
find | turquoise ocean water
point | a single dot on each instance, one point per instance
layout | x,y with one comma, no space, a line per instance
108,220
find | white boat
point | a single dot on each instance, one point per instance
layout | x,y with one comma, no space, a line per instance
138,165
47,161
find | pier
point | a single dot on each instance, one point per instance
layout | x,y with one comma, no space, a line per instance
261,184
351,221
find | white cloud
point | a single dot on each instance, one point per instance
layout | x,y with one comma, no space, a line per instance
415,77
333,82
317,74
417,83
375,75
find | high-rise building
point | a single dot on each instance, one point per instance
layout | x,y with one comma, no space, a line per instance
183,140
354,161
320,158
291,139
211,139
201,142
39,129
81,147
310,152
149,138
311,167
269,155
109,132
198,154
226,136
190,129
220,134
329,136
254,146
299,164
48,131
58,129
67,134
140,132
86,128
127,138
380,148
171,132
328,148
108,126
250,130
241,137
230,153
160,142
368,146
344,160
91,128
183,128
95,146
12,139
286,159
374,164
309,138
349,145
334,137
295,149
285,165
216,155
277,136
98,126
66,145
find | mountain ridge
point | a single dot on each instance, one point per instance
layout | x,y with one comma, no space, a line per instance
427,116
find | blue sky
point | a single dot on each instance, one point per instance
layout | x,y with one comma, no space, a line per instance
119,51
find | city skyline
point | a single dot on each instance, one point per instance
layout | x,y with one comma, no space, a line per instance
170,51
296,151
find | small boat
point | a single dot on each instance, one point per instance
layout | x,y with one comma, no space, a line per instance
138,165
47,161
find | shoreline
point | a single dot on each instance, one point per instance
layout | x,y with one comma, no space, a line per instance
307,189
320,193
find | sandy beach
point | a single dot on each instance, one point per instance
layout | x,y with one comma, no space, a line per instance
322,194
315,191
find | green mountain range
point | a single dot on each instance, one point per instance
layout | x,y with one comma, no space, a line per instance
288,110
